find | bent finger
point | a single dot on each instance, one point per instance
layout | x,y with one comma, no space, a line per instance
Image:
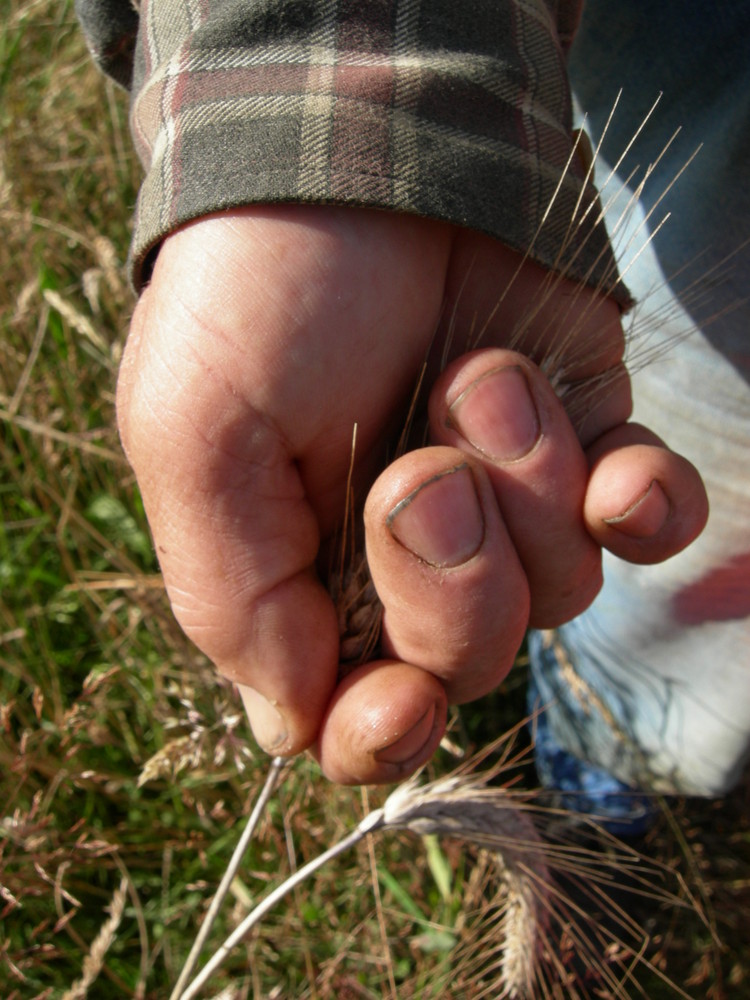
497,406
384,721
644,502
454,593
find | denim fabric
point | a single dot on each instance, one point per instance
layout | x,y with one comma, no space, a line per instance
663,655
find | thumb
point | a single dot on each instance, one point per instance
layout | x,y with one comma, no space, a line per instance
235,535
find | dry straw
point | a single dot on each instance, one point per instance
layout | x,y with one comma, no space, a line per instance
542,872
94,961
533,935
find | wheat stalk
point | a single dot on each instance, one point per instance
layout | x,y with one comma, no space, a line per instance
272,779
525,925
532,938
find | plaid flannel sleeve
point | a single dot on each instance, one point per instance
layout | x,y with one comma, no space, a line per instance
456,111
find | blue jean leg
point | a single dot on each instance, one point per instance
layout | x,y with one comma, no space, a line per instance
661,661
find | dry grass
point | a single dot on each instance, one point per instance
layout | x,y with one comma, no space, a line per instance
124,761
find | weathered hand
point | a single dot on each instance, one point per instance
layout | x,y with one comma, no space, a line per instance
264,336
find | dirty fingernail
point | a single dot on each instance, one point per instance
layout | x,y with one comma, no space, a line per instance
441,521
497,414
408,747
646,516
266,720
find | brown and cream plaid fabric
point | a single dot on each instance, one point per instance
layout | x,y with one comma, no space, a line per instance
455,110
